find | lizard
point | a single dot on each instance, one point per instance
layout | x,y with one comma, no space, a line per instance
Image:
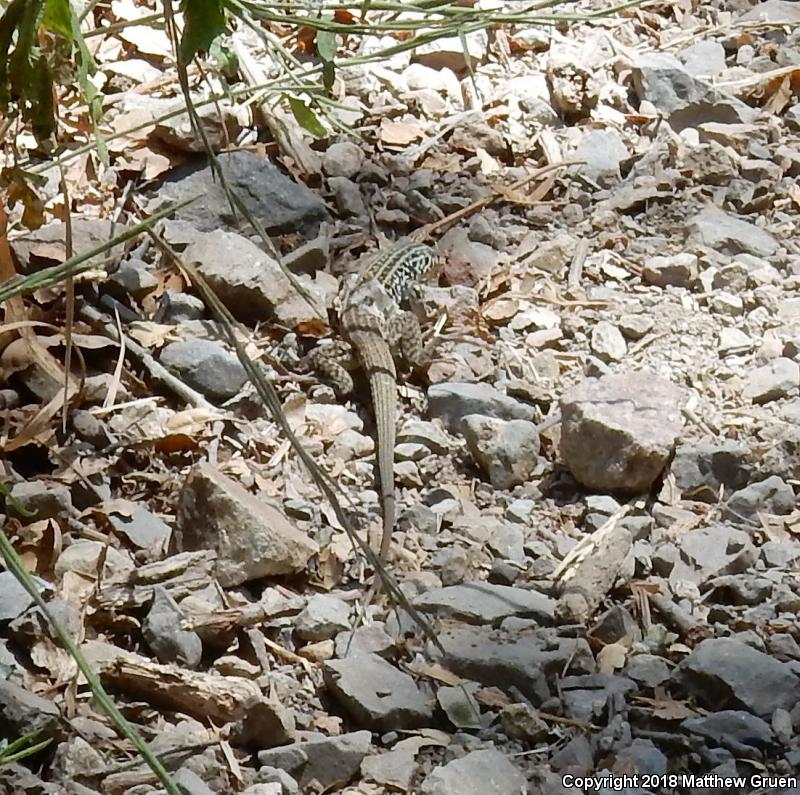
374,327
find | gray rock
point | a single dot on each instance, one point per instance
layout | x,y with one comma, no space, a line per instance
617,432
508,542
367,639
575,755
342,159
453,401
132,277
190,783
725,673
686,101
777,379
522,722
460,706
175,308
347,196
274,775
700,470
487,772
777,554
330,761
780,11
607,342
205,366
161,630
142,528
704,58
733,340
323,617
265,723
507,451
40,248
679,270
246,279
252,537
642,757
771,495
635,327
717,230
738,731
603,151
376,694
647,669
23,712
89,428
704,553
280,204
15,777
584,698
524,658
484,603
14,599
34,500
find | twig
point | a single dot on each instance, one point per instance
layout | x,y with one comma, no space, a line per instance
157,370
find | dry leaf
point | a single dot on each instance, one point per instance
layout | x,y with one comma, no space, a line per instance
401,133
612,657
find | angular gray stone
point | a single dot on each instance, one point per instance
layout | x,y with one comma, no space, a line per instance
323,617
14,599
376,694
507,451
704,58
162,631
726,234
661,79
452,402
526,658
771,495
617,432
279,203
679,270
777,379
725,673
205,366
735,730
487,772
484,603
252,537
34,500
700,470
22,712
249,281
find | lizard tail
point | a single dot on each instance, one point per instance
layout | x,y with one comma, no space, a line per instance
384,400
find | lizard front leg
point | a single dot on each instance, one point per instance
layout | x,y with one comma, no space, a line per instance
405,336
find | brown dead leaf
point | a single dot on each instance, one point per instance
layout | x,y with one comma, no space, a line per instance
780,92
401,133
612,657
439,673
492,697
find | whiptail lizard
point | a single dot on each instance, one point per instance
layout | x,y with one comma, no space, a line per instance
376,327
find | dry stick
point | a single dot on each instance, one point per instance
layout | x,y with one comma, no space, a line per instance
157,370
424,232
266,391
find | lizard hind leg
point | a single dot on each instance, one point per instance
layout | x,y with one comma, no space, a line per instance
332,363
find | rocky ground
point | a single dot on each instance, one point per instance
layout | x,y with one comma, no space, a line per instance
597,472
